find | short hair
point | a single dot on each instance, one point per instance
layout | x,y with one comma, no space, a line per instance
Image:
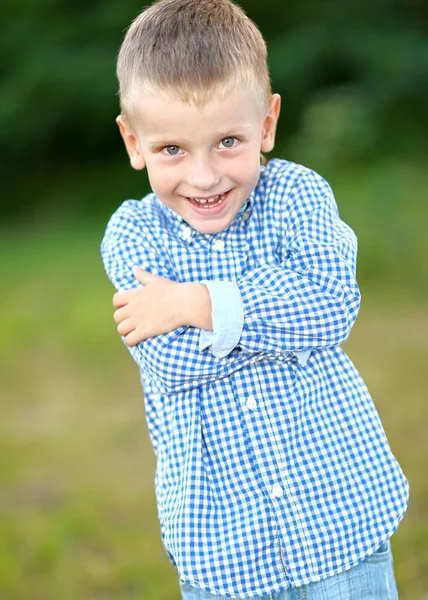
190,48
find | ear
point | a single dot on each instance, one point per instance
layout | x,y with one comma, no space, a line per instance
270,123
132,144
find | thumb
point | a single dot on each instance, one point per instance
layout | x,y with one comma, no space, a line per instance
143,276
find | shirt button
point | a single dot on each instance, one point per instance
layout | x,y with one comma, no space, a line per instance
251,403
219,245
246,215
277,490
186,234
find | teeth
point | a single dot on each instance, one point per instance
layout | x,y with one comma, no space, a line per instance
217,199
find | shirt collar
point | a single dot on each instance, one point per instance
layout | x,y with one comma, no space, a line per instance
186,231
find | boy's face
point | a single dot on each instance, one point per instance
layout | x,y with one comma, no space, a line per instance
203,161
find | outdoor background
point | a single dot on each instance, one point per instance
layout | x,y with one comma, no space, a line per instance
78,517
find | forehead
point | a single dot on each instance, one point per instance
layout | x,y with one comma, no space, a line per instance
214,112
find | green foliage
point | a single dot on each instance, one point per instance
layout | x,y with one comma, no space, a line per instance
373,53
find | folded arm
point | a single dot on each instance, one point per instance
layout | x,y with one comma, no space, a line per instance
173,359
309,300
304,298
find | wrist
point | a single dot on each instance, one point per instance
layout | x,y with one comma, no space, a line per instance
196,306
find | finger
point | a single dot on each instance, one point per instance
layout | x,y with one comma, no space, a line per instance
134,338
125,327
143,276
120,299
121,314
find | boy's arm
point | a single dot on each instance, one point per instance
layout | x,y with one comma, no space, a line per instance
175,361
310,299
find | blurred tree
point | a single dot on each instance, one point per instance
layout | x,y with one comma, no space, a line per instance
353,77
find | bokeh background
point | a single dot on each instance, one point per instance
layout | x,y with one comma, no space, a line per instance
78,516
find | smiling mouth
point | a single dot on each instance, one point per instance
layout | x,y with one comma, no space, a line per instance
208,202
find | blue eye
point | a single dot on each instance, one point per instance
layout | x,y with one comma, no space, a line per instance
228,142
172,150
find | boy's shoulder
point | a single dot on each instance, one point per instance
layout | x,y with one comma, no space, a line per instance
286,176
136,218
289,192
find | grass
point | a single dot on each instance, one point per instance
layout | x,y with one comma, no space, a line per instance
78,515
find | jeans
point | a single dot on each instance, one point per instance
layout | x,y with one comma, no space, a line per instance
372,579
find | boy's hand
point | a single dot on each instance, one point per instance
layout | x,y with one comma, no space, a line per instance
159,307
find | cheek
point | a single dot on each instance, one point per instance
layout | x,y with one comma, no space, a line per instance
162,180
247,169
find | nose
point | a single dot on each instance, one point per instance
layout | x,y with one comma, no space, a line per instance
202,174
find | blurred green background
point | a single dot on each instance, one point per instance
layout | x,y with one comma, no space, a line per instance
78,516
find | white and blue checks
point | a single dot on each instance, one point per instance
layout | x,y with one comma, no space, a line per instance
273,469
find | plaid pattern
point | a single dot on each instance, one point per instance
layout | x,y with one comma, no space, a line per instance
271,472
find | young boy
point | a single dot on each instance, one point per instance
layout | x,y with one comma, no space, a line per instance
236,287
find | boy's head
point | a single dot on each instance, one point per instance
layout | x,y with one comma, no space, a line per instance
197,106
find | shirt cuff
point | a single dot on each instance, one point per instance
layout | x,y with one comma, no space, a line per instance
302,357
227,316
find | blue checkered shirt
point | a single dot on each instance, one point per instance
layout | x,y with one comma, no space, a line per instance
273,469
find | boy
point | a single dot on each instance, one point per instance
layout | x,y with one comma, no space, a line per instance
236,287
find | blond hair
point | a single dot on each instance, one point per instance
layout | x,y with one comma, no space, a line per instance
190,49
